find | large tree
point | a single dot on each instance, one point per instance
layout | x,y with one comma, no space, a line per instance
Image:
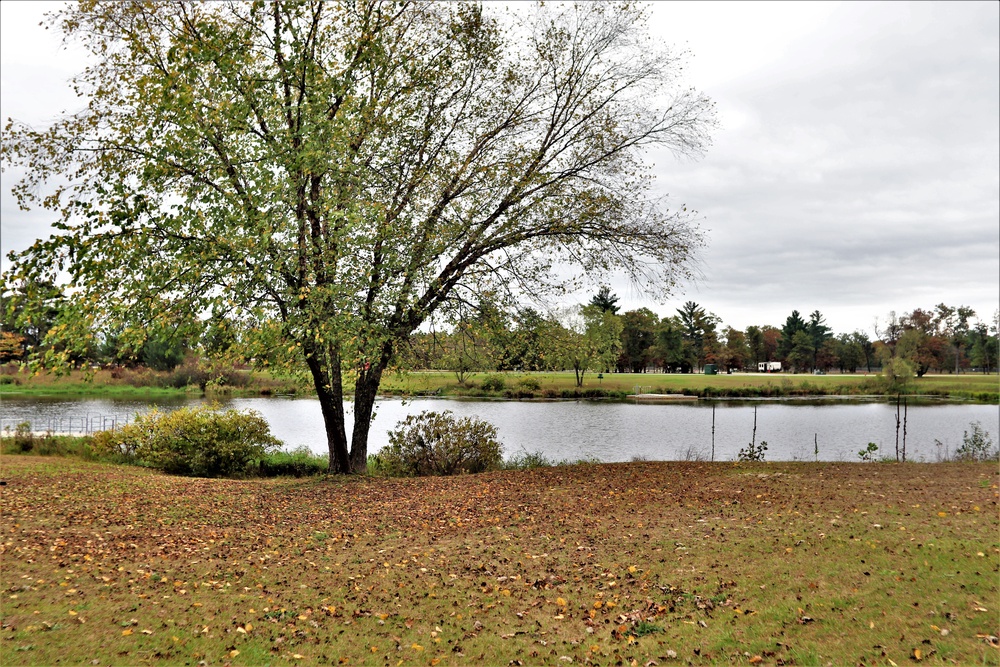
638,336
699,332
331,173
589,339
793,325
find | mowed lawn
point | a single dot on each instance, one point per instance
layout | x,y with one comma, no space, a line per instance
625,564
961,385
102,383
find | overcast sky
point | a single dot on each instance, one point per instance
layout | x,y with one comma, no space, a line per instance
856,169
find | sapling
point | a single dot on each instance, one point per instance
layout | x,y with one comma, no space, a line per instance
868,454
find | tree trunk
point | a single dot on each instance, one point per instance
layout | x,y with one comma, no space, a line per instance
365,392
330,391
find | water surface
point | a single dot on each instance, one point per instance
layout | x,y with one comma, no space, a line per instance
601,430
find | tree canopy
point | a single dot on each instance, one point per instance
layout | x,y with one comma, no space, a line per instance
328,174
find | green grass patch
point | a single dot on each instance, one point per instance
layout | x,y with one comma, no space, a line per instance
561,385
977,387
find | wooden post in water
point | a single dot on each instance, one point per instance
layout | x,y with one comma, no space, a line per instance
897,428
904,430
816,446
713,432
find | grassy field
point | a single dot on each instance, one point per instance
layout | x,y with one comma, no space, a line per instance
102,383
134,384
625,564
965,385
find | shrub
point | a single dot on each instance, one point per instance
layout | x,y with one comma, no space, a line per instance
493,383
186,375
753,452
433,443
300,462
529,383
374,465
200,442
24,439
49,444
528,461
868,454
976,446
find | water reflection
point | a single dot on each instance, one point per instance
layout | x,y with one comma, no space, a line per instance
613,431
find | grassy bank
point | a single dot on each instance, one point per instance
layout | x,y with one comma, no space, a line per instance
145,383
740,385
674,563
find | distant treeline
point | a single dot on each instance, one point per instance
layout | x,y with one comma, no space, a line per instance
595,337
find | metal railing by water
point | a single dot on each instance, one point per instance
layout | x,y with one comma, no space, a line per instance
66,424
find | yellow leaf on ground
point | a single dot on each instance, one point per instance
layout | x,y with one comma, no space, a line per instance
561,602
126,633
233,653
417,647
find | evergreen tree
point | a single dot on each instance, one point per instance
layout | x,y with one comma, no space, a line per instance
605,300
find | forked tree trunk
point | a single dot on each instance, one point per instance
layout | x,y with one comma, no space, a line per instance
365,392
330,392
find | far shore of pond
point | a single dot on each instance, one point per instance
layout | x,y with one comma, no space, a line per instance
984,388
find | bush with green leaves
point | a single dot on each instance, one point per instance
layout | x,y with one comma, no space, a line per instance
436,443
299,462
752,452
494,382
529,384
24,439
200,441
525,460
977,445
867,455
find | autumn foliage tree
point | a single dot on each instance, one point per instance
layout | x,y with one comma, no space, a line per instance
328,174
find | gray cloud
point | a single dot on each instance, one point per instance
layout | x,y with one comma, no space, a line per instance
858,173
857,170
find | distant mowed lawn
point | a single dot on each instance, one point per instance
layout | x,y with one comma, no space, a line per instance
143,383
622,564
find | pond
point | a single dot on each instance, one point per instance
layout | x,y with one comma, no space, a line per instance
601,430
